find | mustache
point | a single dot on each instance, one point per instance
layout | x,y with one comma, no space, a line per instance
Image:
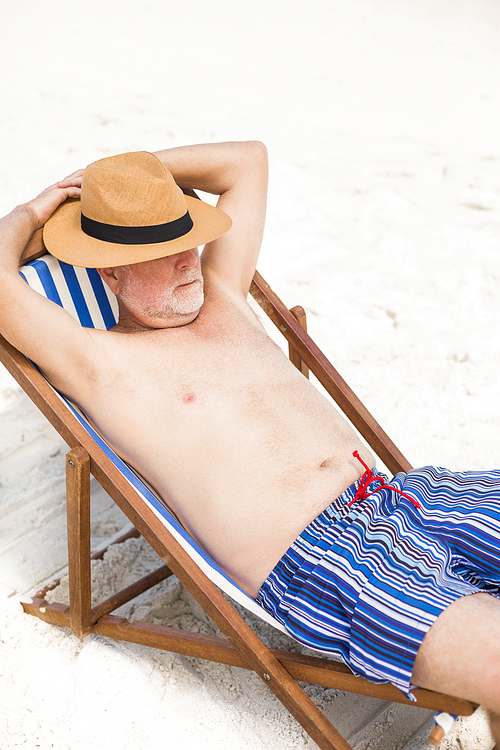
186,277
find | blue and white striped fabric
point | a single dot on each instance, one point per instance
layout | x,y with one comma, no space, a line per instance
83,294
80,291
367,581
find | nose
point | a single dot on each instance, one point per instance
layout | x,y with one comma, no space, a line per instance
187,259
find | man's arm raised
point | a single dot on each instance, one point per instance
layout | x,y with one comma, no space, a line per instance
40,329
238,173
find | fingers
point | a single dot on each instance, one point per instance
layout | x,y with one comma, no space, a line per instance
74,179
72,191
49,199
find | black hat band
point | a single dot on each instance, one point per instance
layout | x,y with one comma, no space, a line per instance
147,235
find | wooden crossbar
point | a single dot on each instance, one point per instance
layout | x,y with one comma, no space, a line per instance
312,669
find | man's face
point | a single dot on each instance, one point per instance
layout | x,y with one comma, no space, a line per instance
163,291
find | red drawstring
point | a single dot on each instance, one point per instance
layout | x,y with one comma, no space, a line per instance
368,479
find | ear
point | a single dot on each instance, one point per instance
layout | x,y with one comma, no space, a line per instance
112,276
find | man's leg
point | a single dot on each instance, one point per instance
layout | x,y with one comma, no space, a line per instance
460,655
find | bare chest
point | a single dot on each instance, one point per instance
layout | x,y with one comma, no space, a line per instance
191,368
189,383
220,423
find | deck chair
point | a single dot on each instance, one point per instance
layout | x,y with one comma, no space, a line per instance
82,293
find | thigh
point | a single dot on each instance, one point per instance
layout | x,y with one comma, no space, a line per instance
391,579
460,654
464,509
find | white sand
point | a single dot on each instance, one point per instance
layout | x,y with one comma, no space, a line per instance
381,119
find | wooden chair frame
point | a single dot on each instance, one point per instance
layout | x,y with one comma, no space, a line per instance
280,670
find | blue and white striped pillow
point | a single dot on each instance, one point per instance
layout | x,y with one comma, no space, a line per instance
81,291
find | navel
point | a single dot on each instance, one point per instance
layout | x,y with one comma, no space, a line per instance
189,398
327,463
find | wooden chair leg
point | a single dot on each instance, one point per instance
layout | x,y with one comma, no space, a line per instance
436,736
78,513
299,314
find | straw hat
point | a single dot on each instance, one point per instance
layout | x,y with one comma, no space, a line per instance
130,210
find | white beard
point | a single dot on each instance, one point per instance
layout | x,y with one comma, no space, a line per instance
164,302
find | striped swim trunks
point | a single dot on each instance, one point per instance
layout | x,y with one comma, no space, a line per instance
366,579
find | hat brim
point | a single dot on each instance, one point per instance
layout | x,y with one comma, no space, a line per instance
64,239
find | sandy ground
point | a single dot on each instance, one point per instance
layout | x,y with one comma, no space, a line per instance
381,120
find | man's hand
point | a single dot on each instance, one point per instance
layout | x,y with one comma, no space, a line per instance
49,199
21,225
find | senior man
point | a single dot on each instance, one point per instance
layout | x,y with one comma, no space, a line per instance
259,467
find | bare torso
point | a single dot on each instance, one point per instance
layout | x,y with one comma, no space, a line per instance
237,442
